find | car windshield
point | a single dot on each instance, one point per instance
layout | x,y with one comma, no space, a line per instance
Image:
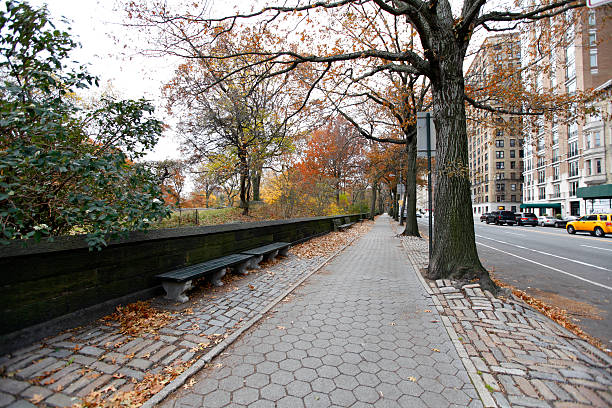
529,215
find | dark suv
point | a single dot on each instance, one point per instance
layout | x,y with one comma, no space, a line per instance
501,217
526,219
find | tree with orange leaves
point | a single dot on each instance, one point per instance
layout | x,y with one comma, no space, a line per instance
333,155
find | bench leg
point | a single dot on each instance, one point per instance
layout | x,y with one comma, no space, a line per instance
175,290
271,255
283,251
215,278
254,262
241,269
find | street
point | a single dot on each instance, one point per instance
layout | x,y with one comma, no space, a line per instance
573,272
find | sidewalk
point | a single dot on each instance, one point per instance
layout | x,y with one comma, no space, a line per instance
361,332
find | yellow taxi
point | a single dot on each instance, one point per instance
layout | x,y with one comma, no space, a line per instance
597,224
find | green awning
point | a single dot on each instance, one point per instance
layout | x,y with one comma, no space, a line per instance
600,191
542,205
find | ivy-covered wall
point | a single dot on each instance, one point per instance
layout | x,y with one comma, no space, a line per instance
46,280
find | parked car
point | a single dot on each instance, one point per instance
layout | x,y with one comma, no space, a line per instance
562,223
501,217
526,219
550,221
483,217
596,224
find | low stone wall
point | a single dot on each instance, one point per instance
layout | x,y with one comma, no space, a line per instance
50,281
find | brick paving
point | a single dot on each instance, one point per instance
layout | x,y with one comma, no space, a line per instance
522,357
362,332
61,370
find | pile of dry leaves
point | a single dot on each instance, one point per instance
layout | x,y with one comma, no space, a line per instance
557,314
139,394
137,318
327,244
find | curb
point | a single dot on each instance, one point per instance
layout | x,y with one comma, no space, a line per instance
484,394
219,348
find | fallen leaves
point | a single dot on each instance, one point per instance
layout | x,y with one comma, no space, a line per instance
139,317
36,399
328,244
107,397
557,314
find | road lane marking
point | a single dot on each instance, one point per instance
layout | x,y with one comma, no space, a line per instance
549,267
590,246
514,233
536,230
546,253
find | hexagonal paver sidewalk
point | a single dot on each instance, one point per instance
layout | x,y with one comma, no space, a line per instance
361,332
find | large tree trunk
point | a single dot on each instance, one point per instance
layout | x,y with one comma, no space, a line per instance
373,201
412,228
256,182
454,247
381,201
395,204
244,183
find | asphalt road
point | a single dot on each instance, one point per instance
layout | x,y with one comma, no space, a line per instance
571,271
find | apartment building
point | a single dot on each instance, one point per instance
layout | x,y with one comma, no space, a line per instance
564,156
495,141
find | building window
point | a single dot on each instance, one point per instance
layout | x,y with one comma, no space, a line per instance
512,142
499,133
573,188
541,193
572,149
500,187
486,188
572,131
556,173
573,169
592,39
556,190
588,167
541,176
598,166
499,165
555,155
513,153
512,164
555,137
587,141
499,154
596,139
499,143
571,86
593,58
592,20
486,166
513,187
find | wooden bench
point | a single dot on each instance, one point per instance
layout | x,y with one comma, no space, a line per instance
341,227
178,281
267,251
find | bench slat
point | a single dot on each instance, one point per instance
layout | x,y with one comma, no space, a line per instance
201,269
266,248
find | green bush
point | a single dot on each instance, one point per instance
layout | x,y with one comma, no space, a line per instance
64,168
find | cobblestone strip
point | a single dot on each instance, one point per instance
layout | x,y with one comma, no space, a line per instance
61,370
522,357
